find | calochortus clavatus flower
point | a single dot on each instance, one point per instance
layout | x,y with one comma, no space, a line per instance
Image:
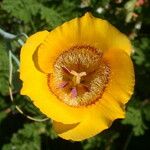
80,75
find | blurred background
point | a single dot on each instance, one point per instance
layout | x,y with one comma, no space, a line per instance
30,130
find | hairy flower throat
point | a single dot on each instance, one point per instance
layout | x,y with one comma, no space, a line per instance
80,76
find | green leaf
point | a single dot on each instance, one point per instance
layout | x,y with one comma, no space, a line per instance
21,9
2,116
134,118
3,103
4,68
28,138
51,16
105,139
146,111
141,54
93,143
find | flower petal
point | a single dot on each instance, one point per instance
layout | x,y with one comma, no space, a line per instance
35,85
86,30
121,83
89,127
98,117
26,64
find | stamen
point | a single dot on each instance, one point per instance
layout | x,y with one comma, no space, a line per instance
65,69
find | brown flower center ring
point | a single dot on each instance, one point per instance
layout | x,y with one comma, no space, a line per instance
80,76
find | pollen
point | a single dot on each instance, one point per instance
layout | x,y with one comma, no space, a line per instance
80,76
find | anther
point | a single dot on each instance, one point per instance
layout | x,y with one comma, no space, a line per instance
65,69
77,76
74,92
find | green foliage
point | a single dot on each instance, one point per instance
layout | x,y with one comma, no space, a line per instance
30,134
51,16
134,118
26,9
28,137
4,68
93,143
36,14
141,54
146,111
101,141
28,16
3,106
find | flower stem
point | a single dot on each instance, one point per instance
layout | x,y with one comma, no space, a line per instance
128,140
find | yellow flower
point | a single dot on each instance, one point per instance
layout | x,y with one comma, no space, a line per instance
80,75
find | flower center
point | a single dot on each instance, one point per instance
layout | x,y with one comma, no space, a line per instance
80,76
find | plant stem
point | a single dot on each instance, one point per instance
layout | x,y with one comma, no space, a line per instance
7,35
128,140
11,56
